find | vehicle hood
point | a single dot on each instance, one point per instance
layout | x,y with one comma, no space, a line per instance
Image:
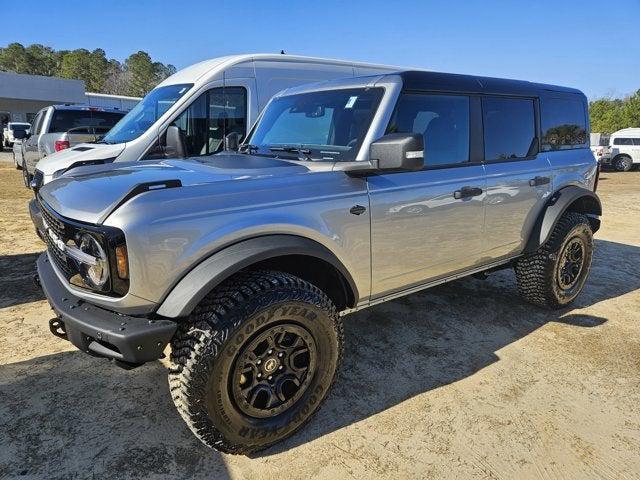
79,153
89,194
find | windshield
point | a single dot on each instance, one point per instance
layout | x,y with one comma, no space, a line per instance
145,113
327,125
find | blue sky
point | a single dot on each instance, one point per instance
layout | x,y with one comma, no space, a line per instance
591,45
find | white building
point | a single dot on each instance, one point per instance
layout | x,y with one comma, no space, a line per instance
21,96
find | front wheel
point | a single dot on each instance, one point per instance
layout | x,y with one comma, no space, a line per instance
255,360
555,275
622,164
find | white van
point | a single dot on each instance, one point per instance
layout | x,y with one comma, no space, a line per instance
624,149
206,101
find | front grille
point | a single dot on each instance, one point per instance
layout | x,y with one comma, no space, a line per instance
57,226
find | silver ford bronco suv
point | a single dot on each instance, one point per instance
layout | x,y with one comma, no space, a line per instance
344,195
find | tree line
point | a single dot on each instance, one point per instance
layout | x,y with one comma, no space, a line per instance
609,115
136,76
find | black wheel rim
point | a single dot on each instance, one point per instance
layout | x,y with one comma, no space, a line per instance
571,263
273,369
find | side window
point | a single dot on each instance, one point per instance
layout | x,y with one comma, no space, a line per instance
622,141
509,128
442,119
564,125
636,142
37,123
213,115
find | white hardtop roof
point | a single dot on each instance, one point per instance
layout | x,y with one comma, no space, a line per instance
627,132
199,70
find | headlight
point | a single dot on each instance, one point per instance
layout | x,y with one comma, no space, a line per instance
95,269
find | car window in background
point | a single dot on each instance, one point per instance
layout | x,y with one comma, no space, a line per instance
64,120
213,115
146,112
37,122
564,124
443,120
330,125
622,141
509,127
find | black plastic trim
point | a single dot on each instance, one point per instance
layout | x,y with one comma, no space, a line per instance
100,332
560,202
209,273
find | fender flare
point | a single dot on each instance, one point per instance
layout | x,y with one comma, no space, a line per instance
573,198
212,271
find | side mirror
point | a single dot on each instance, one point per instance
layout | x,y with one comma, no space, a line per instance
398,151
174,143
232,141
20,134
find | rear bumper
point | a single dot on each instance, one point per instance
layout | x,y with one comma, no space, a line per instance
100,332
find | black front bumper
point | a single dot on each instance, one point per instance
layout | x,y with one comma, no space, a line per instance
94,330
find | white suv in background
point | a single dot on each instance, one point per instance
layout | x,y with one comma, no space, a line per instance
624,148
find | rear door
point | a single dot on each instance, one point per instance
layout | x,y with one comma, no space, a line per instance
430,223
518,176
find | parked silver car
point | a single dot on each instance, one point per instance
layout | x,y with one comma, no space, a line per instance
59,127
247,262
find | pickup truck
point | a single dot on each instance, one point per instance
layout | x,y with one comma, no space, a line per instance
59,127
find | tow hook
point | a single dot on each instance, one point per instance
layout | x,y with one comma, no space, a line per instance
36,281
58,328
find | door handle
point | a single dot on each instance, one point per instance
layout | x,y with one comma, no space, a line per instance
534,182
467,192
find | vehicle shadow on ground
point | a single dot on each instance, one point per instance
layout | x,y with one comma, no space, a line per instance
415,344
69,414
16,279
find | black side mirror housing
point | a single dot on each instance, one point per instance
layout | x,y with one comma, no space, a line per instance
398,151
175,143
232,141
20,134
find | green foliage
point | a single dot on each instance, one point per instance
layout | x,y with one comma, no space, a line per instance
136,76
610,115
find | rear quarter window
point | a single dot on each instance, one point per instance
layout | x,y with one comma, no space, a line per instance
564,123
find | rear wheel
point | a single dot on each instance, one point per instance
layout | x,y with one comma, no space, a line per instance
25,175
255,360
555,274
622,163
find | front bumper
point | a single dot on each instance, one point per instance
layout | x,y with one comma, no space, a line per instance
128,340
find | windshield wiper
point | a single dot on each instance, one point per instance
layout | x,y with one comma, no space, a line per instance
303,153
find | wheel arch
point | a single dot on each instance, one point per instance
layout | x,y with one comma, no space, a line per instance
292,254
568,199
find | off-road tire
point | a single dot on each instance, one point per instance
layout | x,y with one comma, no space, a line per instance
622,163
206,347
537,273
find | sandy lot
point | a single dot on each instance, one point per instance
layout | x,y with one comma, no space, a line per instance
461,381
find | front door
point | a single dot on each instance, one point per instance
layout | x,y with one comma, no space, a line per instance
428,224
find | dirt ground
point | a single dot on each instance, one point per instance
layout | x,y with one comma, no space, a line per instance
461,381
